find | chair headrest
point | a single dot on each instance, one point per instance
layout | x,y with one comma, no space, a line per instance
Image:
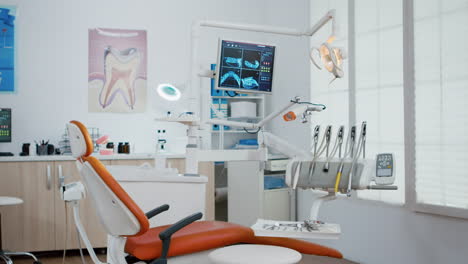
80,142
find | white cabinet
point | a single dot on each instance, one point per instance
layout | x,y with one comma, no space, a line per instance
247,199
224,138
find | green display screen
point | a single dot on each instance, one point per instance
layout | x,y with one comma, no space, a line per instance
5,125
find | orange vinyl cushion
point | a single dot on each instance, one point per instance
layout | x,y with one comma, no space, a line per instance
87,138
301,246
205,235
196,237
109,180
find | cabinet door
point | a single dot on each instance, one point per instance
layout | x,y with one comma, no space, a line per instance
29,226
205,169
65,225
277,204
178,164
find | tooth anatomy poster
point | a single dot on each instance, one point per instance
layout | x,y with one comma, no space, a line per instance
7,48
117,70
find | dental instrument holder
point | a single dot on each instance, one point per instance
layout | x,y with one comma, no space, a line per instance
41,150
327,139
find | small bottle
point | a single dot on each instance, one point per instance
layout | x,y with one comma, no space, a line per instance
120,148
127,148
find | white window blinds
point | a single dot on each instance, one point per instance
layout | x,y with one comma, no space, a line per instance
379,86
441,102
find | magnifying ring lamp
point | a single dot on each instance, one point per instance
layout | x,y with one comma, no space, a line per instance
169,92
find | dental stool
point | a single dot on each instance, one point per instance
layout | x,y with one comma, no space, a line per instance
5,255
132,240
254,254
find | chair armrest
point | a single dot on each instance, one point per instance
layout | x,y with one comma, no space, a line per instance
157,211
166,235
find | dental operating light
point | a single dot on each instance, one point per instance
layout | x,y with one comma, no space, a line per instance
331,58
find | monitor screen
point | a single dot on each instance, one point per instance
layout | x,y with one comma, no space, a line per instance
5,125
245,67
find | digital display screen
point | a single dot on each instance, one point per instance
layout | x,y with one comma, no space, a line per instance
384,165
246,67
5,125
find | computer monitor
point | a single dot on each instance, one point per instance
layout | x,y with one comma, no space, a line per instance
5,125
245,67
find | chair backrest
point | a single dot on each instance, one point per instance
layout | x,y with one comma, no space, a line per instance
119,214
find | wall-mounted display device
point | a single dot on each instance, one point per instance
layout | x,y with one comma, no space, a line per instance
245,67
5,125
7,48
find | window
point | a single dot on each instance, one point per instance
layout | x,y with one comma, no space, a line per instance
441,113
431,110
379,85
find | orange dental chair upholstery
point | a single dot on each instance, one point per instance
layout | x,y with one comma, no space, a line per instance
130,237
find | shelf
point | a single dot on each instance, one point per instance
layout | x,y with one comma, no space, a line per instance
187,120
230,131
238,97
245,119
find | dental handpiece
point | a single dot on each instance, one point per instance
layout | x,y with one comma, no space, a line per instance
338,145
359,148
364,133
340,140
328,139
320,151
353,140
316,139
348,147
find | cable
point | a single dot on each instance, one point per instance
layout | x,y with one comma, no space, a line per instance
359,150
348,151
79,247
253,133
66,233
320,151
228,93
314,104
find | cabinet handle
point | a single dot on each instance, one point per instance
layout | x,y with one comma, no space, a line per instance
49,178
60,176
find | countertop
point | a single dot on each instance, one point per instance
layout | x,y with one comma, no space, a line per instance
135,156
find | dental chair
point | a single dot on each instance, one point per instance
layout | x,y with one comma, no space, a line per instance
130,238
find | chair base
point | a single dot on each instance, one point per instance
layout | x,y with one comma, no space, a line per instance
6,256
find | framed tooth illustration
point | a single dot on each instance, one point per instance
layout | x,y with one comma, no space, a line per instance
117,70
7,48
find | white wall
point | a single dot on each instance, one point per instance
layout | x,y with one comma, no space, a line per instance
53,59
292,71
377,233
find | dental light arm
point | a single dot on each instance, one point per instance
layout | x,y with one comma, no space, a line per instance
281,145
304,109
322,22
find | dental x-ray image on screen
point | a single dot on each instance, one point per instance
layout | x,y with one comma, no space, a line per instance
245,67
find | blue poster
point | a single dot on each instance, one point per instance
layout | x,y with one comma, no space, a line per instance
7,48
